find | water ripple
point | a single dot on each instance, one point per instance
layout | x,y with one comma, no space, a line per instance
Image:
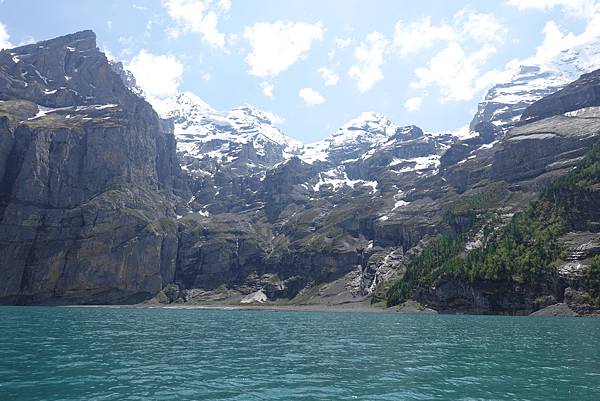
158,354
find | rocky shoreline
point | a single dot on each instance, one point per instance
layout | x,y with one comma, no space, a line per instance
409,307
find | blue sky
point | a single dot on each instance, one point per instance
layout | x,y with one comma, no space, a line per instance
317,64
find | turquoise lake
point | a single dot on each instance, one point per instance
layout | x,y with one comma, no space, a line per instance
168,354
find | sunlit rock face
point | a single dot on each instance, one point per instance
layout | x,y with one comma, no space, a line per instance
88,179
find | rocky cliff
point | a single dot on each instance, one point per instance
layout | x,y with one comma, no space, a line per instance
88,175
94,207
496,261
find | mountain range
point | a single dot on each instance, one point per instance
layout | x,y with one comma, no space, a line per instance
105,198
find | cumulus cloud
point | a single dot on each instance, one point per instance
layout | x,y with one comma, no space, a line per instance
310,96
198,16
278,45
4,38
339,44
456,73
411,38
369,56
158,75
275,119
267,89
413,104
482,28
457,68
330,78
555,41
420,35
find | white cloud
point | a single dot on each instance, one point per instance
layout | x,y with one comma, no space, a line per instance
330,78
198,16
267,89
109,55
369,56
310,96
342,43
555,41
420,35
4,38
584,9
482,28
158,75
455,73
278,45
458,68
339,44
275,119
413,104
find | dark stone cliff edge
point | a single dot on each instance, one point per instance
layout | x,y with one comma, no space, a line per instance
87,180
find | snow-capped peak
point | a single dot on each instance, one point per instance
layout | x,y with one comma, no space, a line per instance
367,132
209,137
505,102
185,104
354,137
368,122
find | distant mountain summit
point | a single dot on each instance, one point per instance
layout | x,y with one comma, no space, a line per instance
243,138
352,139
504,103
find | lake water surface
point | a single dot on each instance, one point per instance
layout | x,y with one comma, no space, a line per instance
160,354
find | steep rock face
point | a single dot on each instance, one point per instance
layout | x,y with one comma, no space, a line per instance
61,72
489,297
524,162
88,173
555,132
505,102
548,146
584,92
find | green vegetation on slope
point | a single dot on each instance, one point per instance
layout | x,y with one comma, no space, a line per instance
462,214
592,279
523,250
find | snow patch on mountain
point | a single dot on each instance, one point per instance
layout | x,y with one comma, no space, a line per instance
223,137
337,178
505,102
359,138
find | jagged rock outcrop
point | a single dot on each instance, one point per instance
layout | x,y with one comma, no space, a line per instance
546,146
555,132
504,103
87,180
490,297
582,93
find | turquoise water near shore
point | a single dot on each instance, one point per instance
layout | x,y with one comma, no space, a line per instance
177,354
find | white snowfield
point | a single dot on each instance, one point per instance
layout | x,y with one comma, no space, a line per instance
197,123
42,110
506,101
204,133
337,178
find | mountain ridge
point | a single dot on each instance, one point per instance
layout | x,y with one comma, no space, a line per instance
104,202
